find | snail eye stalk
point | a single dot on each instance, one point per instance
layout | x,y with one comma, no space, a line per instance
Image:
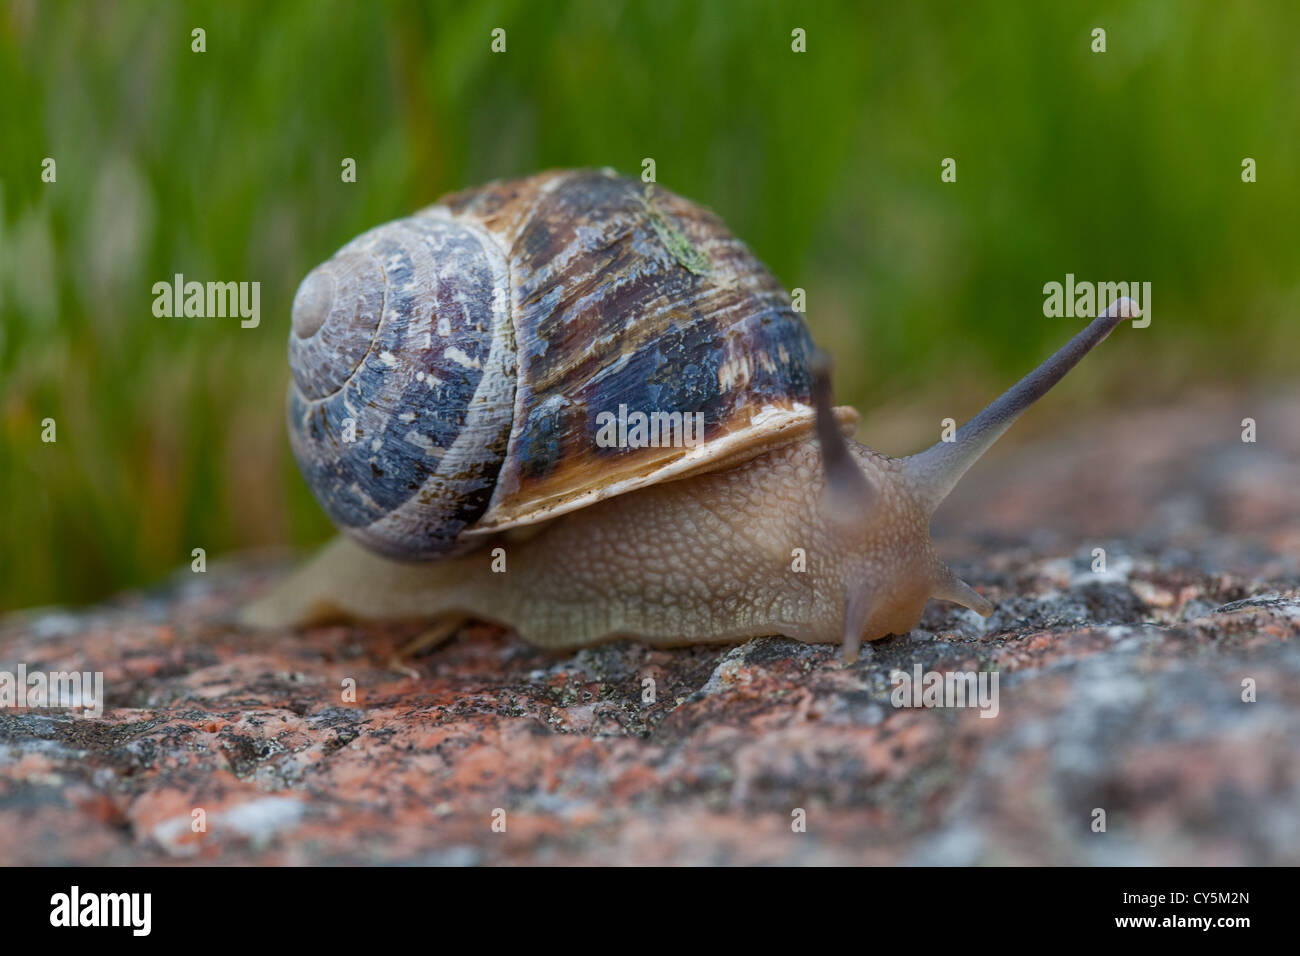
849,494
934,472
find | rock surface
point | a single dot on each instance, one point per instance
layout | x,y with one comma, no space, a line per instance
1119,691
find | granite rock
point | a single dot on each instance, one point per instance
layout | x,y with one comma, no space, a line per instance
1119,690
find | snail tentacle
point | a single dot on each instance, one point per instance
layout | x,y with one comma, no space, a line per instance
934,472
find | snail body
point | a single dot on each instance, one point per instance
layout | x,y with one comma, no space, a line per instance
469,353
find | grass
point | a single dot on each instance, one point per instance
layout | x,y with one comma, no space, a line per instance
225,165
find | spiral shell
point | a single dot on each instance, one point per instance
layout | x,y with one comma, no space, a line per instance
474,344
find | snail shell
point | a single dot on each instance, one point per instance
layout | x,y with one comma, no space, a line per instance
473,344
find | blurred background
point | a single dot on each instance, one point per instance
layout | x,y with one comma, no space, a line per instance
225,165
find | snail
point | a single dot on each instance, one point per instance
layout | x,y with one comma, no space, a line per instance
451,373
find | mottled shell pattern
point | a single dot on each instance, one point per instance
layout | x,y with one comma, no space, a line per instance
449,368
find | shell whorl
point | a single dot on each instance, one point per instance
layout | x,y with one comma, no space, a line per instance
625,294
403,382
